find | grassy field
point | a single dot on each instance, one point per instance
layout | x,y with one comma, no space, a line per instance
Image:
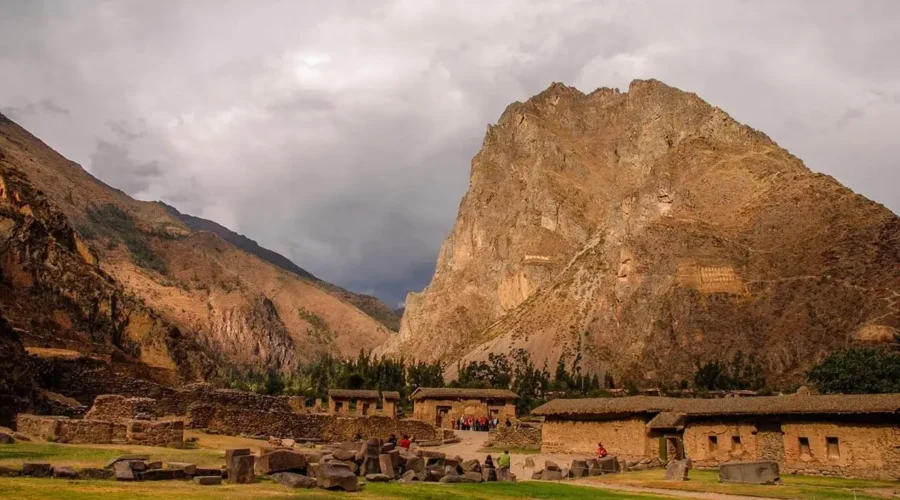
47,489
799,487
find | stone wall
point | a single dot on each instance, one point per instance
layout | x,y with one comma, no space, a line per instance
854,449
313,426
87,431
714,442
626,437
117,408
521,436
427,410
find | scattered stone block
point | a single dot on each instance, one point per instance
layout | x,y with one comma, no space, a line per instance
610,464
433,454
6,438
471,465
21,437
386,464
281,461
64,472
488,474
229,459
208,480
111,463
96,473
123,471
552,475
207,472
449,479
294,480
137,465
155,465
288,443
344,455
242,469
9,472
415,463
529,462
537,475
333,476
410,476
762,472
471,477
377,478
677,470
35,469
188,468
552,466
161,475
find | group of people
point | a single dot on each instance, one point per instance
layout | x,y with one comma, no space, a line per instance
504,461
404,443
470,423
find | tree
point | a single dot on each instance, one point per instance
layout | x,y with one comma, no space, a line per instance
858,370
740,373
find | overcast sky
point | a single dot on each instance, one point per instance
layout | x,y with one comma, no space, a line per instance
339,133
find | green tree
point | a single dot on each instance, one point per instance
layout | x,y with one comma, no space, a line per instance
858,370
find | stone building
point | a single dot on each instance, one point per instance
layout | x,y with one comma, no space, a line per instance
389,402
841,435
443,406
340,401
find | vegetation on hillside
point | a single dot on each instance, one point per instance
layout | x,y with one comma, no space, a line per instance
113,224
859,370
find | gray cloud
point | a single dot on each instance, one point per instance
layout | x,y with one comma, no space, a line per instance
340,133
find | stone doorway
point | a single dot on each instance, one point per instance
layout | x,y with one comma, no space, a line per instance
441,416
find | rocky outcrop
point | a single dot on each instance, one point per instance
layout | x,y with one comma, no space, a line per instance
642,231
18,387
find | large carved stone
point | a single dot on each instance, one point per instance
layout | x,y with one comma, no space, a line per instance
750,472
280,461
242,469
293,480
334,476
677,470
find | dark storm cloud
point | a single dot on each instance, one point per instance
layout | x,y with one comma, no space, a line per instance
340,133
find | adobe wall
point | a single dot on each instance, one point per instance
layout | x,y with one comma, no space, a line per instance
117,408
522,437
315,426
868,450
625,438
426,410
704,453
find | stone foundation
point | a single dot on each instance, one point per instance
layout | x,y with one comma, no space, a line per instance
117,408
523,437
87,431
311,426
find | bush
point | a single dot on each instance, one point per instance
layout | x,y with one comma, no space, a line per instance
858,370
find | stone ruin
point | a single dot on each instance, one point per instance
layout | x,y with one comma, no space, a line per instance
169,433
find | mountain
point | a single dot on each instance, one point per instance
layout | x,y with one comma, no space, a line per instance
85,268
368,304
642,232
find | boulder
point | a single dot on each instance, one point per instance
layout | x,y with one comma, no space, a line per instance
434,473
64,472
608,464
471,465
344,455
415,463
471,477
410,476
548,465
387,465
230,455
242,467
188,468
208,480
161,474
313,457
677,470
207,471
280,461
449,479
377,478
551,475
537,475
529,462
6,438
333,476
123,471
36,469
111,463
293,480
95,473
488,474
762,472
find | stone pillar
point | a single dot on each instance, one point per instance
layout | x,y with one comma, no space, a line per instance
332,406
389,408
360,407
318,407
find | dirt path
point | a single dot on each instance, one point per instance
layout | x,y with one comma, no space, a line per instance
661,491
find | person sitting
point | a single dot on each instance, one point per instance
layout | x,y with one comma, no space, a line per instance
393,439
489,462
601,451
405,442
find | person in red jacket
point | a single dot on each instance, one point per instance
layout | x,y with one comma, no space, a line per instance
601,451
405,442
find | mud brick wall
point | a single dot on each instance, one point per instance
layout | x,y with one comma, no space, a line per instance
168,433
513,437
117,408
313,426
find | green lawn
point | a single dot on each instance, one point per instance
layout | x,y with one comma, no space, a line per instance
97,455
800,487
46,489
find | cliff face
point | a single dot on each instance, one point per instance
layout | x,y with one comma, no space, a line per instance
85,268
646,231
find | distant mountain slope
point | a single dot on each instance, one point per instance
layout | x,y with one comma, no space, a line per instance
366,303
132,281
